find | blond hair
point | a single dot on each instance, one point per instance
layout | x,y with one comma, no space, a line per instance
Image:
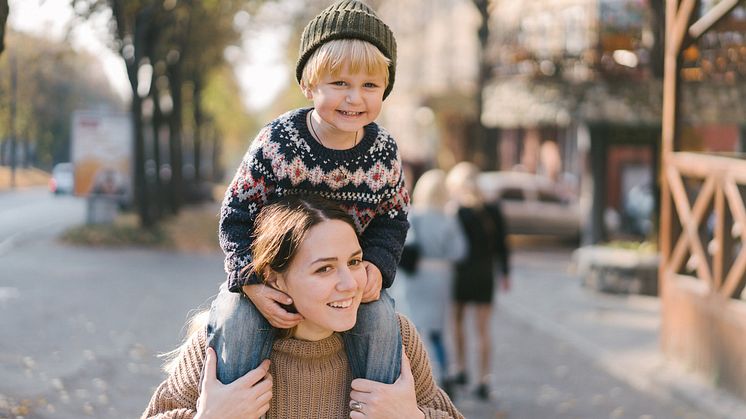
430,190
462,184
330,58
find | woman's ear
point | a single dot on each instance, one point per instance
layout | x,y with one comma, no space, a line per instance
274,279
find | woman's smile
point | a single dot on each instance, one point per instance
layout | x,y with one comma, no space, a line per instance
342,304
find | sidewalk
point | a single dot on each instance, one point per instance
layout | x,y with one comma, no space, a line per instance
562,351
619,333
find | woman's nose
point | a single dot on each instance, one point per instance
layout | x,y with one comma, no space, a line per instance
346,281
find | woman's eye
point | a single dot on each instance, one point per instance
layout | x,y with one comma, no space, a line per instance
356,262
324,269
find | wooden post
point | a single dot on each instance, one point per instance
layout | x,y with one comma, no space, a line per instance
670,75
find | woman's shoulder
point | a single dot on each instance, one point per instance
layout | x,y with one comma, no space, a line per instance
409,334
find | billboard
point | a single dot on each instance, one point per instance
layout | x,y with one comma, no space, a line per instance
102,152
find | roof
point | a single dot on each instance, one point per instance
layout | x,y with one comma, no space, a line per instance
521,102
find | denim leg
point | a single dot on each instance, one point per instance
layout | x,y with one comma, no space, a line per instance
241,336
436,338
374,344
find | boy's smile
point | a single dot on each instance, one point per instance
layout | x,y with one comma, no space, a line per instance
343,105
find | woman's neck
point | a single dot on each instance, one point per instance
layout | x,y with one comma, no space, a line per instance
311,333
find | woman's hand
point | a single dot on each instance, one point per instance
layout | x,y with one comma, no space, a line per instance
267,300
247,397
371,399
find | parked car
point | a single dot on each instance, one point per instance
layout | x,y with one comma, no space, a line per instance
532,204
62,180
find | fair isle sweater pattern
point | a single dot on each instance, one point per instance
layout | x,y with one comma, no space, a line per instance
284,159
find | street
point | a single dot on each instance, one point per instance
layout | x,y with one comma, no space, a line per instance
85,326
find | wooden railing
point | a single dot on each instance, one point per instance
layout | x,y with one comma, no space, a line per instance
718,257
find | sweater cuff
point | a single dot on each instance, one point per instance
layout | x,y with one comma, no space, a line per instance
431,413
236,280
382,260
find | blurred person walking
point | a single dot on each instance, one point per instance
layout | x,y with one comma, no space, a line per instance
473,285
440,241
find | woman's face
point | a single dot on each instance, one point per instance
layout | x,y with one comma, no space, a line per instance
325,280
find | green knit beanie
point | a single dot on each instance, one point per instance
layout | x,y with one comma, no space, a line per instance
348,19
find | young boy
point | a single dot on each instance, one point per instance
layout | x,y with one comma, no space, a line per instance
335,149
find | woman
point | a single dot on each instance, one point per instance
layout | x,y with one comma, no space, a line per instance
474,280
307,248
440,242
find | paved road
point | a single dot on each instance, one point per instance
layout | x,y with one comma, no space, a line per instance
82,326
33,215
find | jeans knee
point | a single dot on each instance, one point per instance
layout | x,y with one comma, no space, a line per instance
231,310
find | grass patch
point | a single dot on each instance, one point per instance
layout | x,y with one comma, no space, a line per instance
124,232
640,246
195,229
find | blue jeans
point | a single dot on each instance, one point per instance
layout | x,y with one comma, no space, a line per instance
242,338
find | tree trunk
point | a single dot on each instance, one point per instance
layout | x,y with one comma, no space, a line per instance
4,12
142,21
176,191
157,123
217,169
198,122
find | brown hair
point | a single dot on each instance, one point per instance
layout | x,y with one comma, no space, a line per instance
279,230
282,226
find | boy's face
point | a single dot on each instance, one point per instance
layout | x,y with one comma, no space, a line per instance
347,102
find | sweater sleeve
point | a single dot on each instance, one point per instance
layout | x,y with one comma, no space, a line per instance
383,239
251,188
176,397
431,399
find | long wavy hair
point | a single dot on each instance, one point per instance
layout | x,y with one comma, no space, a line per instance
279,230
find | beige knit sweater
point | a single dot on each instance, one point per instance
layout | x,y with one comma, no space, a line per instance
311,380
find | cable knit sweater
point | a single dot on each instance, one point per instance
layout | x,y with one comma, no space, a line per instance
311,380
285,159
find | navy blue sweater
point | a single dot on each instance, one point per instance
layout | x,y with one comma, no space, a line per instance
284,159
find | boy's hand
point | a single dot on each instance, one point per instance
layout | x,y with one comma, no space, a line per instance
372,291
267,300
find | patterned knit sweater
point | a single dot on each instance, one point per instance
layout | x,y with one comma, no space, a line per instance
285,159
310,380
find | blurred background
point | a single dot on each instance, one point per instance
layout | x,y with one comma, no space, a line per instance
121,123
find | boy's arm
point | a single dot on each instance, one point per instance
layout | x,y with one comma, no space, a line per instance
383,239
249,191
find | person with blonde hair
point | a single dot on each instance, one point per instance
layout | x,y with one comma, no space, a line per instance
440,241
308,248
346,68
474,280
